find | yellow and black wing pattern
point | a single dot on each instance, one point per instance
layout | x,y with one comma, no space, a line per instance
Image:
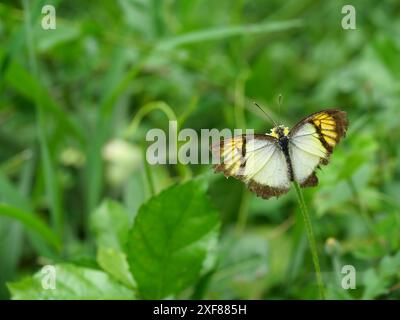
268,163
312,140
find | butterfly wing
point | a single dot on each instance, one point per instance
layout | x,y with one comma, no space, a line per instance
312,140
257,160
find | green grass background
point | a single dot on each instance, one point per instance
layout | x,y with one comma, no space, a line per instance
69,137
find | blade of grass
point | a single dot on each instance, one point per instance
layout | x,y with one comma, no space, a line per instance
227,32
11,237
31,222
29,87
13,165
18,197
311,238
23,190
11,195
51,185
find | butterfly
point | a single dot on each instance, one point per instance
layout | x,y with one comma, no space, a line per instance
269,163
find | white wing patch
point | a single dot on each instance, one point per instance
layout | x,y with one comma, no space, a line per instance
272,168
258,154
266,164
306,152
263,162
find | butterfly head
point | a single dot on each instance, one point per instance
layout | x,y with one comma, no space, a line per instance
279,131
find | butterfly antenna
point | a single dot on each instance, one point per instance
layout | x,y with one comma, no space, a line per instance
262,110
280,98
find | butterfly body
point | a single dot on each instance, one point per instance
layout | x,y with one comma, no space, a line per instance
269,163
281,134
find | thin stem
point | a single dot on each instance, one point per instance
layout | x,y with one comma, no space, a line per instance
184,171
147,173
243,211
143,111
311,239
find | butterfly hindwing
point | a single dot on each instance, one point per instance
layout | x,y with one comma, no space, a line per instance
312,141
257,160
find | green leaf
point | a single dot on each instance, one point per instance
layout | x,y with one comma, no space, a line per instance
170,238
390,265
374,285
71,282
116,264
110,224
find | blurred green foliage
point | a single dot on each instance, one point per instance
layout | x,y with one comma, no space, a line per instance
70,140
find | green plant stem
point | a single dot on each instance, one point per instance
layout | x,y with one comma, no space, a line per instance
243,211
311,238
145,110
147,173
184,171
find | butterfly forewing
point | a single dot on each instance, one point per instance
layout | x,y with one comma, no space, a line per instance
312,141
257,160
